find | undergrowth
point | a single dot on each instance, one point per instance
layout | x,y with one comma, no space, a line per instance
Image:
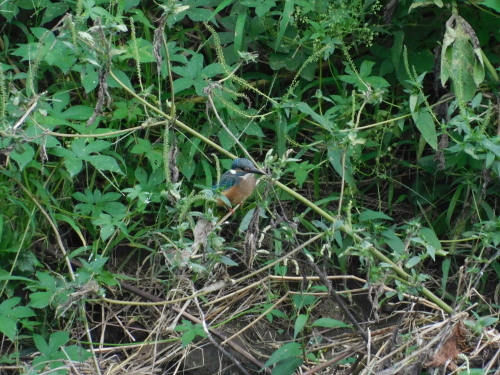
376,123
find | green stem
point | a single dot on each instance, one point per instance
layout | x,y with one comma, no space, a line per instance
344,228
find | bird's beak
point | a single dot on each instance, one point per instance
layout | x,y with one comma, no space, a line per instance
256,171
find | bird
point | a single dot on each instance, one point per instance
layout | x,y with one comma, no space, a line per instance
239,182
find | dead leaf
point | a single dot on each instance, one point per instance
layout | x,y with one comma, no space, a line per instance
449,350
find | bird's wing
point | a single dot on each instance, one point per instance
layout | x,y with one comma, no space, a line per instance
227,180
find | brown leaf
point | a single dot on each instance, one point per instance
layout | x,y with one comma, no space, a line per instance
449,350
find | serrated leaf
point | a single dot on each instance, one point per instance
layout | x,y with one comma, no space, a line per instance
104,163
111,82
40,300
90,79
8,327
41,344
47,281
58,339
23,155
8,304
187,338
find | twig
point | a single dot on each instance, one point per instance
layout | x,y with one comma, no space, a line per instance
212,340
340,302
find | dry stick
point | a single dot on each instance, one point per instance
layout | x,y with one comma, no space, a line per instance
344,227
492,362
280,278
336,298
257,320
217,333
212,340
339,357
158,301
436,327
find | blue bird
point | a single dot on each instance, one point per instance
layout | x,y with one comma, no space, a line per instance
239,182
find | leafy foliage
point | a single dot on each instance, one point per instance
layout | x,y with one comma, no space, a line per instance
379,130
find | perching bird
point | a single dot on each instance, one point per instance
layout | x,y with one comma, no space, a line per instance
239,182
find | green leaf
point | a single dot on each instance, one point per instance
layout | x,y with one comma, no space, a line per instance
285,20
221,6
111,82
94,146
368,215
430,237
393,241
287,367
302,300
239,30
286,352
9,10
300,322
23,155
77,353
490,146
397,47
58,339
73,165
8,327
479,73
40,300
104,163
329,323
54,10
47,281
77,112
445,267
187,325
187,338
42,345
90,78
335,157
453,203
305,108
425,123
246,221
144,51
20,312
228,261
493,4
8,304
412,262
254,129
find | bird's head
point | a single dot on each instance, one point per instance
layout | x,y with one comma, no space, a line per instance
244,165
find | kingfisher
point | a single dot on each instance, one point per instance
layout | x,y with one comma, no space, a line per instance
239,182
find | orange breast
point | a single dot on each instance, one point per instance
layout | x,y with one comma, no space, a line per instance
241,191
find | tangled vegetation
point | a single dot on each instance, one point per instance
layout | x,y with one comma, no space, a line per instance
371,245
